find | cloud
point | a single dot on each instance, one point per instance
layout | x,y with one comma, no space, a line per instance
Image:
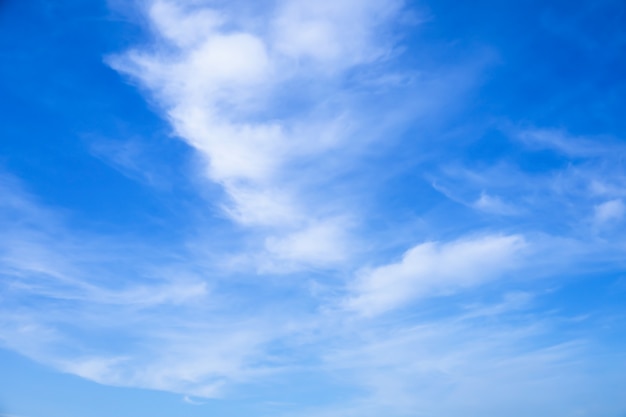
188,400
180,27
92,290
493,204
558,140
221,77
202,364
186,332
434,268
571,145
486,203
322,244
333,35
469,368
609,211
133,159
279,106
560,192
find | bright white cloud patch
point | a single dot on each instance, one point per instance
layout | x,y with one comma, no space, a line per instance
434,269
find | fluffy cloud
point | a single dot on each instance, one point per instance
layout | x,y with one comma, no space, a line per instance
433,269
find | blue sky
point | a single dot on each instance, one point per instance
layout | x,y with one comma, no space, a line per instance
312,209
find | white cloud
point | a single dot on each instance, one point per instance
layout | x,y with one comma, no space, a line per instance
493,204
188,400
453,367
322,244
183,28
179,334
434,269
574,146
332,35
487,202
180,331
215,73
609,211
87,286
195,330
555,199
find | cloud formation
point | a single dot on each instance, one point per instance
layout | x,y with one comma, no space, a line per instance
349,242
435,269
216,73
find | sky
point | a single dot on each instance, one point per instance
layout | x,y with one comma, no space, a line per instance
339,208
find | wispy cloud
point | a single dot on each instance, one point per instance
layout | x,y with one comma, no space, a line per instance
197,337
561,141
493,204
289,282
558,183
217,73
96,289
